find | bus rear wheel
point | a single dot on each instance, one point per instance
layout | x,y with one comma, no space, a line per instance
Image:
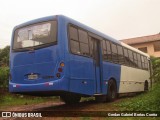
70,98
145,86
111,91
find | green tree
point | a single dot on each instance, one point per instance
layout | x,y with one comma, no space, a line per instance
4,69
156,69
4,56
4,77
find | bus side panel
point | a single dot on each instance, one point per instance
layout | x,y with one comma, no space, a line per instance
110,71
132,79
81,75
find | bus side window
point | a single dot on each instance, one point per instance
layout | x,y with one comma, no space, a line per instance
84,49
126,57
74,47
114,53
130,53
135,59
91,46
73,33
104,50
146,63
107,55
83,39
120,55
108,52
104,45
143,62
78,41
74,43
139,61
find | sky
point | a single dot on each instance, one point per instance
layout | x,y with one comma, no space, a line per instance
119,19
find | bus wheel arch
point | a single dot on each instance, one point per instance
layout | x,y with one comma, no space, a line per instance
111,90
146,87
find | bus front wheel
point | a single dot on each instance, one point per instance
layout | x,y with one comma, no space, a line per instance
111,91
70,98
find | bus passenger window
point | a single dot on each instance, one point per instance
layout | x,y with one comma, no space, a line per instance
143,64
73,33
74,47
109,53
139,61
126,57
120,54
104,44
135,59
74,43
84,49
114,53
104,50
130,54
104,55
146,63
91,46
83,39
83,36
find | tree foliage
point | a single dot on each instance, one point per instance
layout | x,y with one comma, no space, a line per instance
4,56
4,69
4,77
156,69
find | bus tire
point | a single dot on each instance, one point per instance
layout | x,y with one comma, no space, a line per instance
146,86
70,98
111,91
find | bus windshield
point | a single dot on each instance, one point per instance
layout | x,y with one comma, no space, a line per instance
35,35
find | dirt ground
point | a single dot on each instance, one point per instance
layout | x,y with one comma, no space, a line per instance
91,105
57,109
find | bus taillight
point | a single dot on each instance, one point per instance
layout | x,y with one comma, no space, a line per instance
62,64
60,69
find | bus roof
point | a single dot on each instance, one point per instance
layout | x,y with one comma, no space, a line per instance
103,35
83,26
69,20
36,21
134,49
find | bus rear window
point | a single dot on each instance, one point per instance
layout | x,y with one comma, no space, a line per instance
35,35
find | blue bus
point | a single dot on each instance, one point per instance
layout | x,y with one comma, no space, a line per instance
58,56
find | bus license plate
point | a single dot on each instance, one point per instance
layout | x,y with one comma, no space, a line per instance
32,77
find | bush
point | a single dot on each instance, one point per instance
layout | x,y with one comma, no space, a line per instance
156,69
4,56
4,77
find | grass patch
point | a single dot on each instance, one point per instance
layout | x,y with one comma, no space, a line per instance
14,100
145,102
84,99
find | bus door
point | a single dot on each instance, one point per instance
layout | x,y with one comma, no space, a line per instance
96,64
